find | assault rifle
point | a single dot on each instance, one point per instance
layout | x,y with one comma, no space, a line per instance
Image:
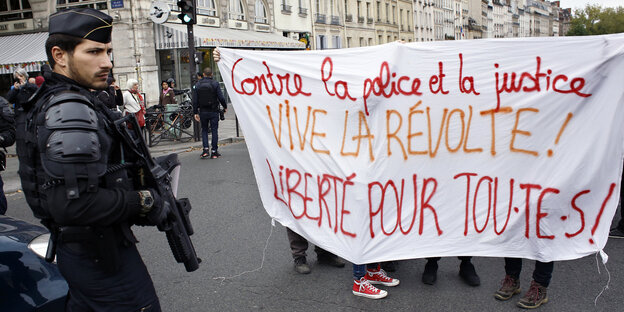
157,175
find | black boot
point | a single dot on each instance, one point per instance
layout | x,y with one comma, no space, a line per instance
468,273
430,274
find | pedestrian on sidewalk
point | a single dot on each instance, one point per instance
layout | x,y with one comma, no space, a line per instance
133,102
537,293
207,96
7,138
167,96
21,90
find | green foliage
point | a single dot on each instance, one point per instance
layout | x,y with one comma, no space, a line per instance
596,20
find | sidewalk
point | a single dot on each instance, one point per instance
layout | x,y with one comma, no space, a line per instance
227,135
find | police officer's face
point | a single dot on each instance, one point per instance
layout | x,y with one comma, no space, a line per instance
88,65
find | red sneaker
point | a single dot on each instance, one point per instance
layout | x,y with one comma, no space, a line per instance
365,289
379,276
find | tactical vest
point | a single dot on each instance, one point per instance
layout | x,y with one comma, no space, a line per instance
58,141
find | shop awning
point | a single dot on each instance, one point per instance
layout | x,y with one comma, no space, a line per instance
171,36
22,51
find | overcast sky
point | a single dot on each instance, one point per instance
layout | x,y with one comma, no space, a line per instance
578,4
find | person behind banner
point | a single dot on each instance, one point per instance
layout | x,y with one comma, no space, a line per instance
618,230
537,293
77,177
367,275
298,247
207,97
466,271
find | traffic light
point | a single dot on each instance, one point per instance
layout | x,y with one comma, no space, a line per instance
187,12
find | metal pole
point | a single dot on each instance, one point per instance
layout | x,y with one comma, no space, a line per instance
192,73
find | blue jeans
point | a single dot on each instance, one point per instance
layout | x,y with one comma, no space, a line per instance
212,119
541,274
359,270
3,200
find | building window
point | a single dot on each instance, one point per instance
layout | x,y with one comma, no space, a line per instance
387,10
11,10
65,4
206,7
321,43
362,42
261,13
237,11
337,42
349,44
378,11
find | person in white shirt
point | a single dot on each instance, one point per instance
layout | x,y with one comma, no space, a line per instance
131,98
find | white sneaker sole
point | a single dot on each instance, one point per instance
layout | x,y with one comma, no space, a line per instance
393,283
382,294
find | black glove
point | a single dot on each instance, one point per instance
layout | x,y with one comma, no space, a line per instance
157,215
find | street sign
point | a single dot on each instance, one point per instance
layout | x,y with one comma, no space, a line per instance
117,4
159,12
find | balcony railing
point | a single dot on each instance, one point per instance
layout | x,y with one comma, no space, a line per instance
335,20
319,18
303,11
286,8
349,18
360,19
369,20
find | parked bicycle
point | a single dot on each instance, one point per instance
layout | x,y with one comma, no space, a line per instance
170,122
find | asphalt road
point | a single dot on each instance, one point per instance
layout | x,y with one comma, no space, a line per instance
233,235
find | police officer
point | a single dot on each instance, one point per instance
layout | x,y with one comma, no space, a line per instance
206,98
7,138
77,177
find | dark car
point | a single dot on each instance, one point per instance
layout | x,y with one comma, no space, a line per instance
27,281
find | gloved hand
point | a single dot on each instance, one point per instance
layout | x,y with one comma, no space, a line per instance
158,214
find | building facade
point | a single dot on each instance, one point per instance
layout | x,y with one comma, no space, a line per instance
144,50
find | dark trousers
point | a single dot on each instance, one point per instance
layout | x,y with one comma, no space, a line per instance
91,288
541,274
212,119
359,270
3,200
299,245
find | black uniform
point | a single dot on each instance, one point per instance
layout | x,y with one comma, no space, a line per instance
78,180
91,208
7,138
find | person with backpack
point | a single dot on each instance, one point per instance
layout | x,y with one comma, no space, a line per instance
207,96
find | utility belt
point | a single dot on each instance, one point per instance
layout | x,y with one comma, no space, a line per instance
100,244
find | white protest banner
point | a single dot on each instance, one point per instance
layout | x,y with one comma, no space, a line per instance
485,147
